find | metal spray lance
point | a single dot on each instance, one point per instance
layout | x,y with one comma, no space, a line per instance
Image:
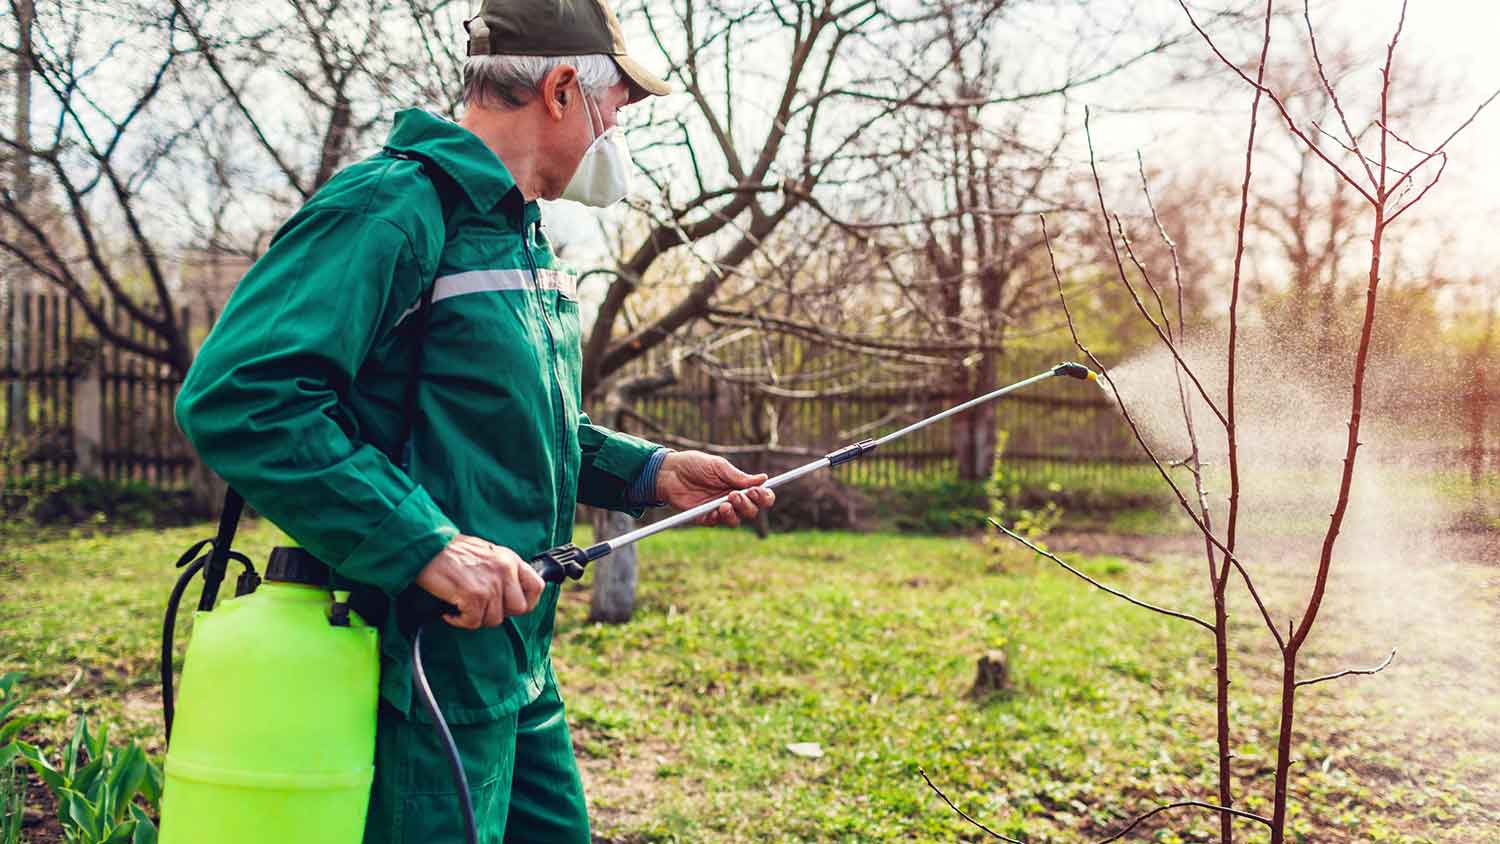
569,561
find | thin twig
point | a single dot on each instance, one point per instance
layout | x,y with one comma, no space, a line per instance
962,813
1223,810
1286,116
1125,279
1348,671
1193,460
1182,804
1338,107
1111,590
1140,439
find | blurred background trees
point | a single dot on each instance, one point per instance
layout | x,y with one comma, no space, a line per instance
840,199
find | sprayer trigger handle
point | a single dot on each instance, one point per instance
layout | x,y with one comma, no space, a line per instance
564,562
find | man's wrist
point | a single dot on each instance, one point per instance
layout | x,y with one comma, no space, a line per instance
642,492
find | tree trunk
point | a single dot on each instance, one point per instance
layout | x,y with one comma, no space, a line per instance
1221,698
1284,744
613,600
1478,396
207,489
25,16
335,139
13,280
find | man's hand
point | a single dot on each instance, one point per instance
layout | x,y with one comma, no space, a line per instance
487,582
689,478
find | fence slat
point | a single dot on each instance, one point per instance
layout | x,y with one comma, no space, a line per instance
40,377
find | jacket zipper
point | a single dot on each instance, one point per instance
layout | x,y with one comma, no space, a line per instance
552,365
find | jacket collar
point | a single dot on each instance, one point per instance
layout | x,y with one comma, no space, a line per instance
457,152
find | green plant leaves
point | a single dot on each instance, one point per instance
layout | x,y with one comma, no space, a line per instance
11,701
145,830
96,787
80,819
126,776
152,785
12,795
10,729
54,779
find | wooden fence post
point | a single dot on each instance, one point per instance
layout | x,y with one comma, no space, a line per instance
88,411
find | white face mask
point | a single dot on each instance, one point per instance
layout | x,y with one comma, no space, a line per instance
603,175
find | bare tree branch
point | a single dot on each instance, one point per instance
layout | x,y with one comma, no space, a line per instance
1181,804
963,814
1092,582
1350,671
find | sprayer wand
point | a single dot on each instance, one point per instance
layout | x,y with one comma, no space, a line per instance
569,561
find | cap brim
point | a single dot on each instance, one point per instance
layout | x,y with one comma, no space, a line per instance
643,83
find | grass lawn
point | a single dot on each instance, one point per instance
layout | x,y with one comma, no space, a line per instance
866,646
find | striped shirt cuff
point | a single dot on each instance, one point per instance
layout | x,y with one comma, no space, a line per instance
642,493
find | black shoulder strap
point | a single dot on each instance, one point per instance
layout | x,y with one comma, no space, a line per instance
447,192
234,504
214,564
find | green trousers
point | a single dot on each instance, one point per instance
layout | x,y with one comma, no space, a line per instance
522,777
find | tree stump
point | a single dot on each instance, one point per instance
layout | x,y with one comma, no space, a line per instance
992,674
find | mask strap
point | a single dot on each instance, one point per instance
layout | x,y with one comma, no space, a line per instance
592,110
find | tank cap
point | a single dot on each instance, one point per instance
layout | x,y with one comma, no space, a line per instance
296,565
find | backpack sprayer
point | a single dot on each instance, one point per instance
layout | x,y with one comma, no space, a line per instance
236,772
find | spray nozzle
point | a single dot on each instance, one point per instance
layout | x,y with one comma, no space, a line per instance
1075,370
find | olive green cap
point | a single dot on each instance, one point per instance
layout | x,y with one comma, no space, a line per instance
558,28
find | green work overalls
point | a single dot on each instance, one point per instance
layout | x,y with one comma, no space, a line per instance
297,397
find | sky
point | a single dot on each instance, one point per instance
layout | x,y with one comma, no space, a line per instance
1452,45
1459,41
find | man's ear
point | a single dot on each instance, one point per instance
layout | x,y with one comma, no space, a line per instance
557,90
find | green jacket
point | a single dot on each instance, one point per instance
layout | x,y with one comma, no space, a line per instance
296,399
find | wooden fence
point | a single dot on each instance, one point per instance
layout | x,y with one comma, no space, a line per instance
763,396
70,405
74,406
780,395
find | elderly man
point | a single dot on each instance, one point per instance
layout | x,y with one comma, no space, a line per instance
429,258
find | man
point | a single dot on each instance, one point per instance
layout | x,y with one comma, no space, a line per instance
301,399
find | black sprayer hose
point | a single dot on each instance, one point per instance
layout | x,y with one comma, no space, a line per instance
169,628
455,762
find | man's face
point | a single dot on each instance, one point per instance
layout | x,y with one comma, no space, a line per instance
583,118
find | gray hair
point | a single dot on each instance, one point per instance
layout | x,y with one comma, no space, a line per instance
511,81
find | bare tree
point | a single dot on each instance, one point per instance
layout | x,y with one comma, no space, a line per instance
978,255
826,133
1390,174
89,158
827,136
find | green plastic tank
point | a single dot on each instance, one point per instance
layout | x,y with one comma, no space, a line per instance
274,734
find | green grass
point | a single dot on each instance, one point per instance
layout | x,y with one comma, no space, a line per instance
864,644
